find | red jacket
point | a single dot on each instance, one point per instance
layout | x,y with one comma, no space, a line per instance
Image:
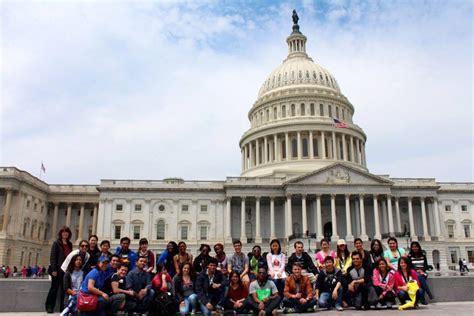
400,281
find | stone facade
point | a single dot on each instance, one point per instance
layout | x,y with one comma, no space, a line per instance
304,176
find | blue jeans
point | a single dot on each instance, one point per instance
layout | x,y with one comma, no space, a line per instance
326,301
190,301
403,296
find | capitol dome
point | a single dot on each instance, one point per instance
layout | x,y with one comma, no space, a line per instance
300,121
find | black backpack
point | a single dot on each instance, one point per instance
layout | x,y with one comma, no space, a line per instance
164,304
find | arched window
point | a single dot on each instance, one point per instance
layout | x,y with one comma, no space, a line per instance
267,118
275,113
283,149
321,110
311,109
293,110
302,109
329,111
294,148
160,230
315,147
283,111
305,147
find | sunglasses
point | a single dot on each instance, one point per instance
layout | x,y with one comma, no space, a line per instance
84,246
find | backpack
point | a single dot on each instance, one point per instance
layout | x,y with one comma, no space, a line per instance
164,304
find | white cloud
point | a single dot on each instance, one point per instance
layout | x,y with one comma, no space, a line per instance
146,90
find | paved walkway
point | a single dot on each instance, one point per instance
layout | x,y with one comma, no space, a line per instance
435,309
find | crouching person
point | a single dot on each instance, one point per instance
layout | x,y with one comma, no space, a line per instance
264,297
93,284
329,286
120,298
139,281
210,288
298,293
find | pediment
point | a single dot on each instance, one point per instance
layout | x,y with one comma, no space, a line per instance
339,174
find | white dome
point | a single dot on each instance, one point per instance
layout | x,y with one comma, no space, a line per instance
298,71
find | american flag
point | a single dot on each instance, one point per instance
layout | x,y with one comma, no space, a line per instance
339,124
43,168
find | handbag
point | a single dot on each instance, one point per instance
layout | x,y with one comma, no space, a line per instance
86,302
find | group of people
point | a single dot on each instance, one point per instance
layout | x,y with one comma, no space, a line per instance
260,283
25,272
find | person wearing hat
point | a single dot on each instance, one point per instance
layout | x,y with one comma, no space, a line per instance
94,284
343,257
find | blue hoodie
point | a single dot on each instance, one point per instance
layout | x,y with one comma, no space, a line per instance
129,258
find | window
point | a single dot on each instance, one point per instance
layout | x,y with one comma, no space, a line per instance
161,208
136,232
203,233
315,147
321,110
294,148
42,209
119,207
275,113
454,255
283,149
283,111
337,112
160,230
447,208
293,110
138,207
302,110
35,207
341,150
184,208
470,256
184,232
343,115
467,230
464,208
203,208
450,231
330,111
92,214
117,232
305,147
28,204
267,117
25,227
311,109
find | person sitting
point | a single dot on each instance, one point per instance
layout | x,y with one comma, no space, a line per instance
276,261
120,298
105,248
329,289
221,258
162,281
264,298
405,274
72,283
200,262
236,294
383,281
82,251
375,253
143,251
126,255
139,281
393,253
184,289
359,247
359,282
210,288
307,266
256,261
94,254
181,257
166,258
323,253
298,293
239,263
93,284
420,264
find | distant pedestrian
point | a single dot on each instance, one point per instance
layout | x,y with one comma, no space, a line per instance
461,265
464,265
23,272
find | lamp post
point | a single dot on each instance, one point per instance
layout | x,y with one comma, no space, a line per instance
309,240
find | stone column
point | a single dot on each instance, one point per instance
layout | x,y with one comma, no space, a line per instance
410,218
323,146
258,234
376,219
242,163
344,147
334,150
251,155
363,233
289,219
6,210
228,220
68,215
364,161
352,149
397,212
359,151
334,236
319,217
276,156
299,145
391,230
303,214
311,148
81,224
356,218
243,235
257,153
272,218
437,221
287,146
265,150
55,221
349,236
94,220
426,233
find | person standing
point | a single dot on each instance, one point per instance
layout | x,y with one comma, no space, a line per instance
59,251
307,266
464,264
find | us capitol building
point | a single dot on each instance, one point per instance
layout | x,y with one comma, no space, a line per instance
303,177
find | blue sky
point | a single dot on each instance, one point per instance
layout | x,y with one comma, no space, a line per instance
147,90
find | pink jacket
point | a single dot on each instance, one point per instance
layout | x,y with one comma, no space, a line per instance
400,281
390,280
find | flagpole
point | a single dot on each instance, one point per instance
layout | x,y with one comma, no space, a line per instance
41,168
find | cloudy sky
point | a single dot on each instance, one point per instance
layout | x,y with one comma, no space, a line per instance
148,90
